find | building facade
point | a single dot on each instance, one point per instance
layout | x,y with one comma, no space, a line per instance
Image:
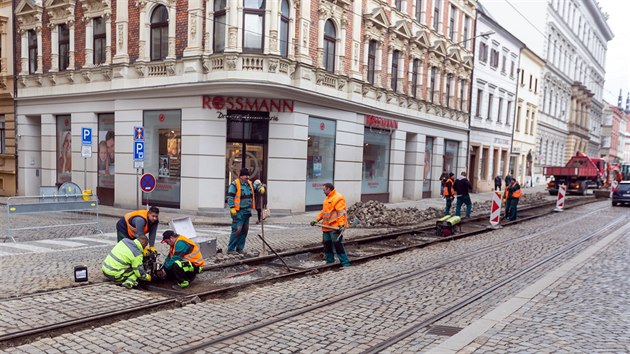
572,37
612,141
8,166
494,101
372,96
523,153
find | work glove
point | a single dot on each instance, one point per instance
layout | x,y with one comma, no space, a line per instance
145,251
314,222
261,190
233,211
152,249
147,277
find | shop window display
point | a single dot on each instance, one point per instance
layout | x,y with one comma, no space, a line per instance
64,149
320,159
450,155
106,158
163,142
375,161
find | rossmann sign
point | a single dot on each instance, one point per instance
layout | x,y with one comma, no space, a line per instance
380,122
247,104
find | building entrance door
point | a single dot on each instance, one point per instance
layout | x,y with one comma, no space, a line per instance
244,155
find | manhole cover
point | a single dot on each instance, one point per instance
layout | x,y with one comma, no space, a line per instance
444,330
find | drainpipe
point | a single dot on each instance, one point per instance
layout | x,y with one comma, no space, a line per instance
15,136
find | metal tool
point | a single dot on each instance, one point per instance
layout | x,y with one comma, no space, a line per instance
274,252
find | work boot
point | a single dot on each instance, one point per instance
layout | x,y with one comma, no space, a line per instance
127,285
184,284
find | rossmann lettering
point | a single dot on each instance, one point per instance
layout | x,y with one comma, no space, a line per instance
247,104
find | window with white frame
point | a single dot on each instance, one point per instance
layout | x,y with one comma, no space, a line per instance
219,24
432,84
479,102
253,25
330,41
499,110
32,52
398,4
98,40
483,52
494,58
462,94
371,61
419,10
507,112
490,102
395,59
159,33
466,30
284,28
451,23
437,4
64,46
449,86
415,72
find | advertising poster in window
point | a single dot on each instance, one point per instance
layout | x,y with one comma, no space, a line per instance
450,155
375,161
164,163
64,149
428,161
106,151
320,158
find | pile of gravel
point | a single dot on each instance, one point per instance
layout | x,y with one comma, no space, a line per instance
376,214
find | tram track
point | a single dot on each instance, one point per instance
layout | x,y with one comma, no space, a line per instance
173,299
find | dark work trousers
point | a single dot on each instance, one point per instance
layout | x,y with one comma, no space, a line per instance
449,204
510,208
180,275
332,240
463,199
497,187
240,227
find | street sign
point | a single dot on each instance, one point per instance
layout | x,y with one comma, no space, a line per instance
138,164
86,151
147,183
86,136
138,133
138,150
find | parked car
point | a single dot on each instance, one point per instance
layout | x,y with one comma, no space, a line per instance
621,193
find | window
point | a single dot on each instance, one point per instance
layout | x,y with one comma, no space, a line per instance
395,58
3,142
527,112
219,24
462,93
449,83
507,112
466,29
159,33
253,25
499,110
330,40
371,64
99,41
451,24
532,124
503,61
494,58
479,102
284,29
530,82
518,118
64,149
32,52
483,52
375,167
415,71
490,97
419,10
398,4
536,86
432,84
320,157
512,69
64,47
436,14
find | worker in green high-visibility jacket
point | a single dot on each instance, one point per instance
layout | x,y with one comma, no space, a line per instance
124,263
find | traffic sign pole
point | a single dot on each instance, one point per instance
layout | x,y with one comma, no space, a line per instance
86,151
138,159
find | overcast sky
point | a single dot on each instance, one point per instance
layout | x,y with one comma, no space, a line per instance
618,54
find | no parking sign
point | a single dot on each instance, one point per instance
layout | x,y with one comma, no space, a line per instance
147,183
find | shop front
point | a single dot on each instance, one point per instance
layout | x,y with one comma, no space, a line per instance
376,151
320,159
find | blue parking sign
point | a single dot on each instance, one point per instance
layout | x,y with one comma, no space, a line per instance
138,150
86,136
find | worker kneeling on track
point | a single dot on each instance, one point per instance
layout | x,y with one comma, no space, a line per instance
124,263
184,259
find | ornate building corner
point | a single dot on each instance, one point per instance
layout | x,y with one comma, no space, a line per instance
231,61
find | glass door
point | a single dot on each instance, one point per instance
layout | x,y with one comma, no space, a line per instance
244,155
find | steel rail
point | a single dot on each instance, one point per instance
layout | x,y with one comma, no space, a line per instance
387,282
487,290
177,300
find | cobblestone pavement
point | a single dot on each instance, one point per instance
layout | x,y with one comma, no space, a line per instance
353,326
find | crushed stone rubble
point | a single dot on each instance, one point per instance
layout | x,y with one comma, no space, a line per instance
376,214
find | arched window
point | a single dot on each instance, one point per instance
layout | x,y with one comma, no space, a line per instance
159,33
330,40
219,24
253,25
284,28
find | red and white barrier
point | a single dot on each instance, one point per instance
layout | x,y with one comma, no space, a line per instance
562,194
495,209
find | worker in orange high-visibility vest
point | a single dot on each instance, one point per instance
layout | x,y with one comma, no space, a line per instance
449,192
241,200
334,218
512,195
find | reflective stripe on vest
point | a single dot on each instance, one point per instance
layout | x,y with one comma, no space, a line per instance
237,197
113,265
193,256
131,229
